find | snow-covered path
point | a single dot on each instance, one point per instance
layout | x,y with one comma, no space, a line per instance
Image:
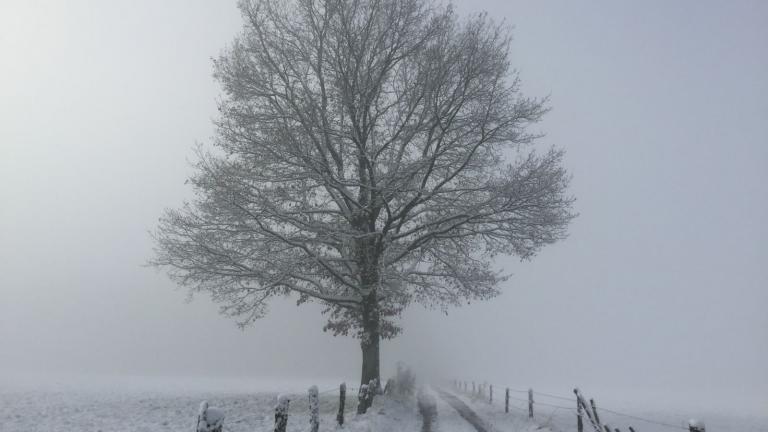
457,408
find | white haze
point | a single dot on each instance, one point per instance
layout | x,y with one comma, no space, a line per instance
659,293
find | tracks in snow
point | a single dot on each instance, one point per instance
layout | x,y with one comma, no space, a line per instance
464,411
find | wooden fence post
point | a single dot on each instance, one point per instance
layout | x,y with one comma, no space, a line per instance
580,399
631,429
473,387
579,421
362,397
530,403
696,426
373,390
281,413
594,411
314,409
342,401
506,401
607,428
490,399
465,386
209,419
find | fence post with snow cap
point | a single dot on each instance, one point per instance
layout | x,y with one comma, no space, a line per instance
281,413
506,401
314,409
362,396
209,419
580,400
342,400
696,426
579,420
594,410
530,403
373,390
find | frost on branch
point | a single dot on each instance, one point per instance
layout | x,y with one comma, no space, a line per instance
368,155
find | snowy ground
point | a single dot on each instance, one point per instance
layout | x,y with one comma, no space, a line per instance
448,419
153,404
171,405
53,412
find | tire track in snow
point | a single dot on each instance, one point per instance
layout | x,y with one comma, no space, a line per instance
464,411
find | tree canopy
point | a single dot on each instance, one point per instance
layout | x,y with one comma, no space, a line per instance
369,154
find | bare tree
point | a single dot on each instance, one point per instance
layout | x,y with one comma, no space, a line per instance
369,154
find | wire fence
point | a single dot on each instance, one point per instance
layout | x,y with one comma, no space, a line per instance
558,413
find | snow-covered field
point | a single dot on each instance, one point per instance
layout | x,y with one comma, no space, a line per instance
155,404
170,404
160,405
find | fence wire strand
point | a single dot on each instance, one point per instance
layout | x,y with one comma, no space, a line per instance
643,419
572,398
554,406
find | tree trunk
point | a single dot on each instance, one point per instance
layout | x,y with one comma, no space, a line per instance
369,342
368,251
370,361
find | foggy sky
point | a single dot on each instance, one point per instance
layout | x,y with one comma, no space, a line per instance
661,286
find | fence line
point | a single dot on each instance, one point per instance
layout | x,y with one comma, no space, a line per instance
289,403
479,390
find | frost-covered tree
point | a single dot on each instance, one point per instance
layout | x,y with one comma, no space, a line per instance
369,154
